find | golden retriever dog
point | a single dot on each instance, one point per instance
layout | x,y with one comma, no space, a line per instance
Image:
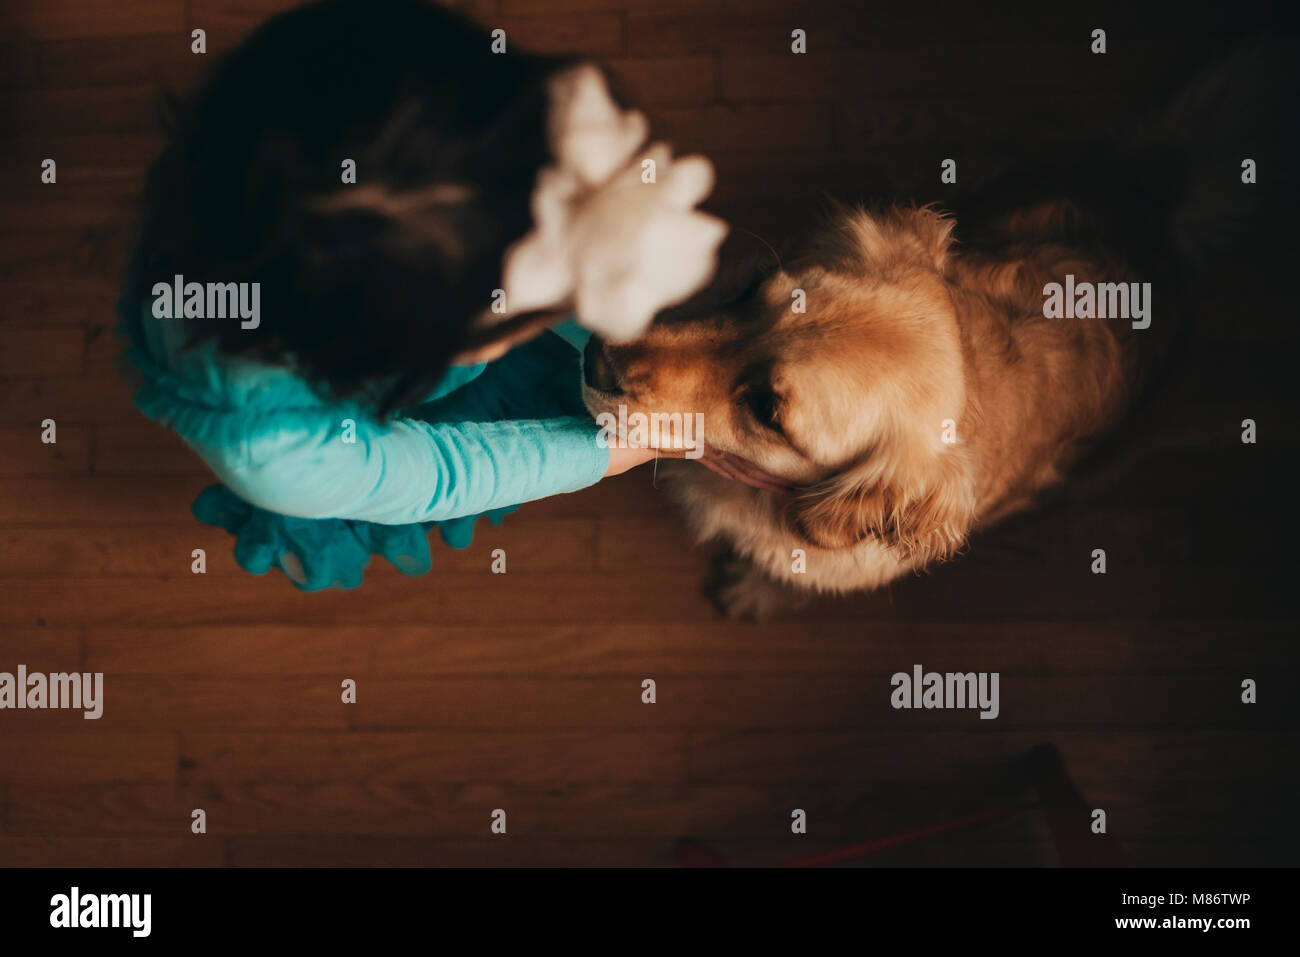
888,393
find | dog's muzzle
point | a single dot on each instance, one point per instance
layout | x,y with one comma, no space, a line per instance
598,370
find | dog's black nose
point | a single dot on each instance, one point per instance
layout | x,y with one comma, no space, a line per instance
597,369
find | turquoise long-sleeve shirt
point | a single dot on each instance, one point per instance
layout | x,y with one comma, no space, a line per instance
315,476
276,443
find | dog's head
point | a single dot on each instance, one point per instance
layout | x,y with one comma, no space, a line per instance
842,373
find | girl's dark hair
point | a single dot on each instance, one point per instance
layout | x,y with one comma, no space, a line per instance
368,288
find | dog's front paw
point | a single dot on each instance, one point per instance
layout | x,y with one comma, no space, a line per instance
739,590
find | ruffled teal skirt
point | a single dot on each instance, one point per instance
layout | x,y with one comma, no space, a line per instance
539,379
316,553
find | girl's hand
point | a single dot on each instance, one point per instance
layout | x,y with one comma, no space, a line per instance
622,459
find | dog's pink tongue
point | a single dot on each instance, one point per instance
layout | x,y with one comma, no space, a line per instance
743,470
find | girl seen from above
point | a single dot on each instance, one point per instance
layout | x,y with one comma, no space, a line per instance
416,355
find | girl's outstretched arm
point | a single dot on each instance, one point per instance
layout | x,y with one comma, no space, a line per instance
410,470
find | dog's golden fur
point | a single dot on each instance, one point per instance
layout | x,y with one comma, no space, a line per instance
921,394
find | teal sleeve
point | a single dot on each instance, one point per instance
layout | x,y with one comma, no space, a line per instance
410,470
454,378
572,333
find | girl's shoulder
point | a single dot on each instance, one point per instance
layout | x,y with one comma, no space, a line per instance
165,350
208,396
204,395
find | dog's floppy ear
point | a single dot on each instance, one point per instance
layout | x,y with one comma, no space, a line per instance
923,508
899,236
930,233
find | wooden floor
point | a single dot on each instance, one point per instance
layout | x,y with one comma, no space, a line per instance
523,692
